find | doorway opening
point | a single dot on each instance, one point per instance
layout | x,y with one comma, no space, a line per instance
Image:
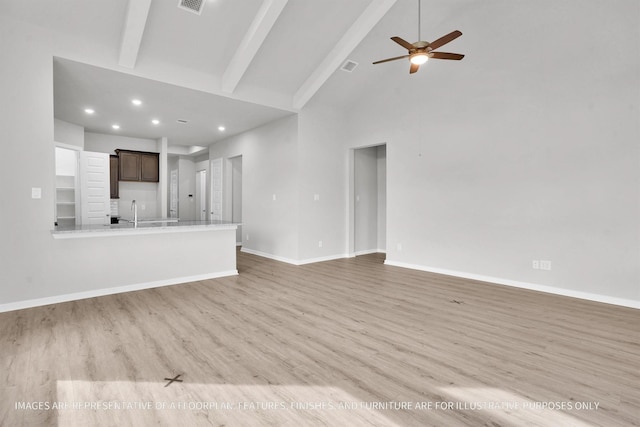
201,195
368,204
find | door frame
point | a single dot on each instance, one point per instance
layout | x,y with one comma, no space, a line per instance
351,197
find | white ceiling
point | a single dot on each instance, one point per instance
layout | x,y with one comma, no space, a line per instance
281,53
109,93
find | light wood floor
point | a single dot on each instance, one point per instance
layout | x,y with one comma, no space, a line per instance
339,343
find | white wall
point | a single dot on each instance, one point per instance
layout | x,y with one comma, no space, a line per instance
534,155
323,162
236,195
68,133
269,166
104,143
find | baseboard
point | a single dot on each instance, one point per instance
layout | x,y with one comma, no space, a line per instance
110,291
524,285
293,261
370,251
321,259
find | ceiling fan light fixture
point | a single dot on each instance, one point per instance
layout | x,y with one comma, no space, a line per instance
419,58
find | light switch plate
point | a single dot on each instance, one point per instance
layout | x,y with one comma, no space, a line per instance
36,193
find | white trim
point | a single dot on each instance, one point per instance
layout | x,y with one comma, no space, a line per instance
321,259
524,285
136,21
256,34
68,146
110,291
293,261
370,251
369,18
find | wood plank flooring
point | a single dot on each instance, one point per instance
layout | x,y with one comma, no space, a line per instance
341,343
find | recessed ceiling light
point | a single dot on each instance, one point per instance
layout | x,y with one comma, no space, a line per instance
89,110
221,128
155,121
136,102
115,126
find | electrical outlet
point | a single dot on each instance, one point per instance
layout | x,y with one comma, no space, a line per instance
535,264
545,264
399,247
274,197
319,243
316,197
248,237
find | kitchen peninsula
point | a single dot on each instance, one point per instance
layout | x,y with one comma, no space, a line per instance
98,260
143,226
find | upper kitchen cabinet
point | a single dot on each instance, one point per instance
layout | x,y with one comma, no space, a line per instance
138,166
149,167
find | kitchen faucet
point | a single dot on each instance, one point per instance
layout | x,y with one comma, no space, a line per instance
134,208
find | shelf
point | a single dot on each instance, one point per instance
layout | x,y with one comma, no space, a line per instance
66,203
65,188
66,217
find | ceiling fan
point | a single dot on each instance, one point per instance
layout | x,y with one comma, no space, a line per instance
420,51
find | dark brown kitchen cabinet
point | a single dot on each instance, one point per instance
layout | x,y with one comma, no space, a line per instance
113,176
149,167
138,166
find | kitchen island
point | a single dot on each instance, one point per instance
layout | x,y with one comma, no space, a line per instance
143,226
96,260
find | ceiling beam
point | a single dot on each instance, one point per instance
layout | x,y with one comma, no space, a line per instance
257,33
349,41
137,12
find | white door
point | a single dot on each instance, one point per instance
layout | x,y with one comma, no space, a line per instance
94,188
173,194
216,189
201,194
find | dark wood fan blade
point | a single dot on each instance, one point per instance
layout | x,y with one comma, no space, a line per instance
445,39
413,68
391,59
405,44
447,55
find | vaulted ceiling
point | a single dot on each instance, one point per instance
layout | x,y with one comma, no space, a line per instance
273,55
247,62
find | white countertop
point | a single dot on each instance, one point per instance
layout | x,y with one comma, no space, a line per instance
143,227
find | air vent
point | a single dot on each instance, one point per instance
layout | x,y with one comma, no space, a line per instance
349,66
182,121
194,6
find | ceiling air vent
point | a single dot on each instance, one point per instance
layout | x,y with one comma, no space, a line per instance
349,66
194,6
